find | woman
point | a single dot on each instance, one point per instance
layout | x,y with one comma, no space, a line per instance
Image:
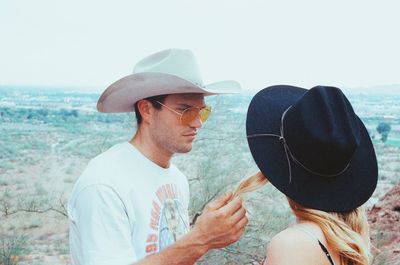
314,149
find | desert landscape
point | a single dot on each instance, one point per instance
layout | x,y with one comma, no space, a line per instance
47,136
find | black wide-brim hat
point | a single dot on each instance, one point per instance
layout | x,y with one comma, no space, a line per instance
312,146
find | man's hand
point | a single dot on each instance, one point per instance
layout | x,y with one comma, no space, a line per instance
222,223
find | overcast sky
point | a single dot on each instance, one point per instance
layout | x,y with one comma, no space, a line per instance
92,43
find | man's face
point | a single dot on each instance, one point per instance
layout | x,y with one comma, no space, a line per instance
166,127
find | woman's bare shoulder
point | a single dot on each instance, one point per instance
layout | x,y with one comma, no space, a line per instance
293,247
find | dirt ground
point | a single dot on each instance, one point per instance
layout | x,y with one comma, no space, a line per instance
384,219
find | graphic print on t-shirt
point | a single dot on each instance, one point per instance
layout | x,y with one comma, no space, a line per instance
172,223
169,220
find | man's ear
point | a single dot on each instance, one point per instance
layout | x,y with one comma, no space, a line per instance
146,110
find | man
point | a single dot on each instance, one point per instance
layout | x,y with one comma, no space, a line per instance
130,205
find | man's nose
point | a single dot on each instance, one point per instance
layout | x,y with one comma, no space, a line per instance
196,123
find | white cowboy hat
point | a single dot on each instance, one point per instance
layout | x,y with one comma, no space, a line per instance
170,71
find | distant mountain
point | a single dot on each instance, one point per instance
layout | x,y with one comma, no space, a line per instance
51,89
381,89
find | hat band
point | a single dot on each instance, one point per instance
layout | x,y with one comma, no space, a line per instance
289,153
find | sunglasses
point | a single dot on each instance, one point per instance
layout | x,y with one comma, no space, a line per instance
190,114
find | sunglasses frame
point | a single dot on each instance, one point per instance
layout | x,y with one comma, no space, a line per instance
207,107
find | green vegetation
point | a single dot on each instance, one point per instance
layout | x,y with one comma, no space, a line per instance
383,129
12,249
47,138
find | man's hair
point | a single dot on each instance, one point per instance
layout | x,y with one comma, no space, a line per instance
153,100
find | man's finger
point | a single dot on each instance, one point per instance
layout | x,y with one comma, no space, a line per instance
221,201
242,223
233,206
239,215
240,233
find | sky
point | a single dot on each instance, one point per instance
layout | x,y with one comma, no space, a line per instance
89,44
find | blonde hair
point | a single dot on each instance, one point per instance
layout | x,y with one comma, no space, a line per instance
345,232
251,183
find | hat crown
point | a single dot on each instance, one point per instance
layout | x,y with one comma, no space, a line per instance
321,131
177,62
171,71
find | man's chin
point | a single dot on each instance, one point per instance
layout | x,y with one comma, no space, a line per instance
185,149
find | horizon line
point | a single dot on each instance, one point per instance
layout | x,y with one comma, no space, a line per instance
368,88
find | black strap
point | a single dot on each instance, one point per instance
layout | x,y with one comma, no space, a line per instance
323,249
326,252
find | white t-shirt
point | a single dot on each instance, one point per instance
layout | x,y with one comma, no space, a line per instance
124,207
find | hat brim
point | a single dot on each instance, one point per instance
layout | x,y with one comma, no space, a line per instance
341,193
122,95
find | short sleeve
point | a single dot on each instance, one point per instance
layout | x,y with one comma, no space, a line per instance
103,227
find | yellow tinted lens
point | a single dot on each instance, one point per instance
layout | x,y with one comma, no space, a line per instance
205,113
189,115
193,113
